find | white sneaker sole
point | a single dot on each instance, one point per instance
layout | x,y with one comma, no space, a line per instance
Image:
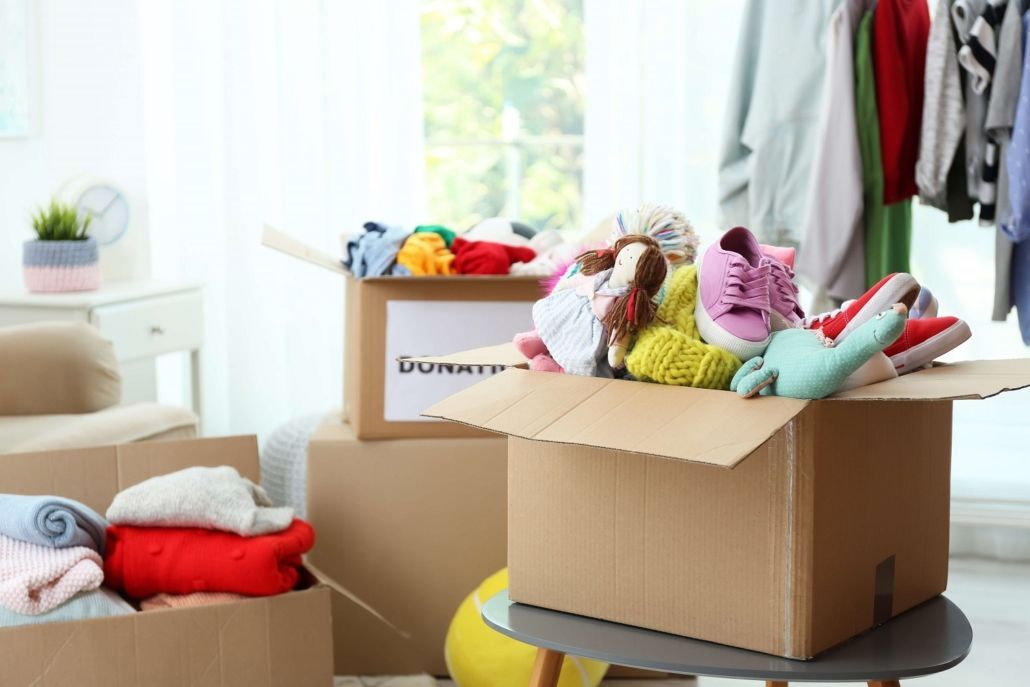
931,349
717,336
902,288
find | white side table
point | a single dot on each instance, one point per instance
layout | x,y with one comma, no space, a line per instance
143,319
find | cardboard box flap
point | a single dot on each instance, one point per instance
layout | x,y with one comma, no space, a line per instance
966,380
698,425
273,238
501,355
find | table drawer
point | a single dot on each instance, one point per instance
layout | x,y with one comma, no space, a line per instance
151,327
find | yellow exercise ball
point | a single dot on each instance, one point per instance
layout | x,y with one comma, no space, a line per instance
478,656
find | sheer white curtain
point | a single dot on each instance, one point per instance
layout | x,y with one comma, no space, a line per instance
657,77
305,114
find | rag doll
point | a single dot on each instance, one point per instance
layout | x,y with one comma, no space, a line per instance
584,326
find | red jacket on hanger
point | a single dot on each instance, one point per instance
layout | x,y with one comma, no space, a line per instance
900,32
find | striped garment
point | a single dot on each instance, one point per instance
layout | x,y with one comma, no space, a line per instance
978,56
569,323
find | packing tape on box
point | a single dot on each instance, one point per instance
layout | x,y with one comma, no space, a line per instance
343,591
883,600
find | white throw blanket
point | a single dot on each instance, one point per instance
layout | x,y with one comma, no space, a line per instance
212,498
35,579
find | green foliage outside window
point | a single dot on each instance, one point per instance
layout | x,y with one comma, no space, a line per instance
485,64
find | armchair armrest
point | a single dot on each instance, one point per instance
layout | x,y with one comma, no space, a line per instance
53,368
116,425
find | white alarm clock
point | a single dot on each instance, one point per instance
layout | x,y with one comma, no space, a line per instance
104,202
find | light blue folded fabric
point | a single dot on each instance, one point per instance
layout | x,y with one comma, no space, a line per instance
374,253
51,521
98,603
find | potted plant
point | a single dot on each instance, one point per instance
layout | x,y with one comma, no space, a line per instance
63,256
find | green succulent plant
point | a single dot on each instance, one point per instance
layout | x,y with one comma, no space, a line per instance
60,222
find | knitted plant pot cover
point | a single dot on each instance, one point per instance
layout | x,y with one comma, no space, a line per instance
52,266
671,351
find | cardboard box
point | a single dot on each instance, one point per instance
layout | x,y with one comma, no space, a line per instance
388,318
273,641
772,524
411,526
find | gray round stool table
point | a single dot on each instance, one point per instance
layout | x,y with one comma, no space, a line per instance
931,637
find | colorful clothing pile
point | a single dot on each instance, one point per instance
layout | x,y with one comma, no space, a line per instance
50,562
493,247
202,530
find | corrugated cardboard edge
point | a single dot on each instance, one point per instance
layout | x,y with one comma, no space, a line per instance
960,381
501,355
588,411
353,598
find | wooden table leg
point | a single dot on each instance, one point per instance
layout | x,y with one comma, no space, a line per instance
884,683
775,683
546,668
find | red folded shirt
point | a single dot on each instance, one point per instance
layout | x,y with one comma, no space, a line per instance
487,257
143,561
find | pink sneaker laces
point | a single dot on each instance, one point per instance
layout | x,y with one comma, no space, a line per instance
783,292
746,286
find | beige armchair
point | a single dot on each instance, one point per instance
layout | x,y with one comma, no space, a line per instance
60,388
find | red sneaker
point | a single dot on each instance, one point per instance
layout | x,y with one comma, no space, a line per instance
923,341
894,288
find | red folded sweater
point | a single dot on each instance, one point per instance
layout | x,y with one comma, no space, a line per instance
143,561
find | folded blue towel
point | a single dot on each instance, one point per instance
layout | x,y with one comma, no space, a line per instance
374,253
51,521
98,603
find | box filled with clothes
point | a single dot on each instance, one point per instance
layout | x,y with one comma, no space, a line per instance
770,480
190,577
427,291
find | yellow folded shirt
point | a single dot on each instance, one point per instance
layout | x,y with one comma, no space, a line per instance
426,254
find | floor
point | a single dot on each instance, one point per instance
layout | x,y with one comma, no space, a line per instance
995,597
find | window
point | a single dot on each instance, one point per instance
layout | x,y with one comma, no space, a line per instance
503,93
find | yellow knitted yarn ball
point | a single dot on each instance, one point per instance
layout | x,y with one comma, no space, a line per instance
478,656
426,254
670,350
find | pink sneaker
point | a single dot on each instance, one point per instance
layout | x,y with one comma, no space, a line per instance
784,254
733,305
785,311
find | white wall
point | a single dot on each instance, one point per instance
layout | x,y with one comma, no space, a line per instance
88,84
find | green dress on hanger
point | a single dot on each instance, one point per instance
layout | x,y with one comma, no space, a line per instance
888,229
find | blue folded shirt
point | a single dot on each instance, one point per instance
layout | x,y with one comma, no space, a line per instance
51,521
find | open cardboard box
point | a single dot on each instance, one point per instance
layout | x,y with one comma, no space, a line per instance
283,640
389,318
773,524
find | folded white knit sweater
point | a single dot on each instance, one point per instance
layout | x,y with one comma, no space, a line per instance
35,579
212,498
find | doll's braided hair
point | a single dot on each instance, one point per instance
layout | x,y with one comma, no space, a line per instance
635,310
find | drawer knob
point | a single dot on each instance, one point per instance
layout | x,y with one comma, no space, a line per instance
156,330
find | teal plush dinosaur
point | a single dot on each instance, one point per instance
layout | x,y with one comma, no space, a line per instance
799,363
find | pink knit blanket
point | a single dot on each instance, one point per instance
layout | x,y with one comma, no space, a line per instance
35,579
